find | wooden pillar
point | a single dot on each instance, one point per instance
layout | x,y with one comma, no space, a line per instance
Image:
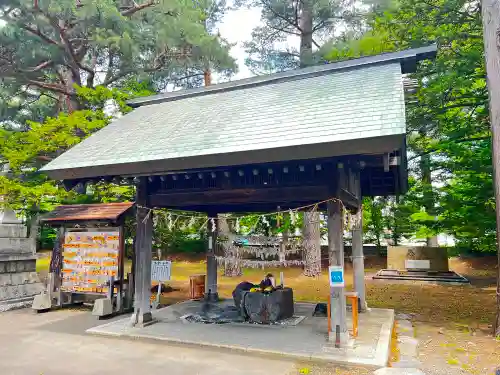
335,225
211,292
143,253
358,258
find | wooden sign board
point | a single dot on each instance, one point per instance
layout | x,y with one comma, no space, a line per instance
90,258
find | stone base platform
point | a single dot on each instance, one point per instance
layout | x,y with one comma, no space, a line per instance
449,277
19,281
308,340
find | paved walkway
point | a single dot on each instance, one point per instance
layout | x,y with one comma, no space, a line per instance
55,344
305,341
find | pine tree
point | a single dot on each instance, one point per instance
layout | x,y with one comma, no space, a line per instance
311,21
48,47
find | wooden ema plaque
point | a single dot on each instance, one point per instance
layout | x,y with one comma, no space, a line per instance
90,258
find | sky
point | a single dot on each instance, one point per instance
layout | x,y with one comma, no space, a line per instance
237,27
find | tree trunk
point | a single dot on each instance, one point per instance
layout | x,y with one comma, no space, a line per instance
311,233
306,36
491,27
232,264
67,102
69,76
312,244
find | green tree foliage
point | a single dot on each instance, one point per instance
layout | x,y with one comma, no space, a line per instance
448,127
24,152
399,216
186,236
310,22
63,62
373,220
48,47
19,105
396,219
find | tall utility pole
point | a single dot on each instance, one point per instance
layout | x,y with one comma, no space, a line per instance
491,31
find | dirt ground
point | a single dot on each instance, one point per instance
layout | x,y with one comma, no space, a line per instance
457,350
438,304
453,323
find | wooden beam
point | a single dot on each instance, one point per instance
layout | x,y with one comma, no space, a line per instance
350,201
345,187
240,208
274,195
335,221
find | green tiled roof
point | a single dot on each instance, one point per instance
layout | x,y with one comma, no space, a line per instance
346,105
349,107
262,120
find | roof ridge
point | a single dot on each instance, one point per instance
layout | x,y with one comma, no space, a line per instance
414,55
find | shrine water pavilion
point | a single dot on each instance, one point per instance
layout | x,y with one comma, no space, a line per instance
288,139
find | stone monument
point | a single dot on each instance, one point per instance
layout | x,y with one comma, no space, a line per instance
419,263
19,282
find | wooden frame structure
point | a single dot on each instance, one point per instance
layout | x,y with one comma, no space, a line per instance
256,178
81,219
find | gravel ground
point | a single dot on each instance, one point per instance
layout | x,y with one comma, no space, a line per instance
457,350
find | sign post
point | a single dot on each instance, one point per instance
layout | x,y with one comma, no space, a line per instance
337,283
160,271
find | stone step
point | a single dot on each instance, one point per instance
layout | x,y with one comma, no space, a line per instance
17,246
13,231
408,346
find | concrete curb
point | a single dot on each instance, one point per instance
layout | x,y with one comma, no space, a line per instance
386,334
379,360
370,364
377,357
